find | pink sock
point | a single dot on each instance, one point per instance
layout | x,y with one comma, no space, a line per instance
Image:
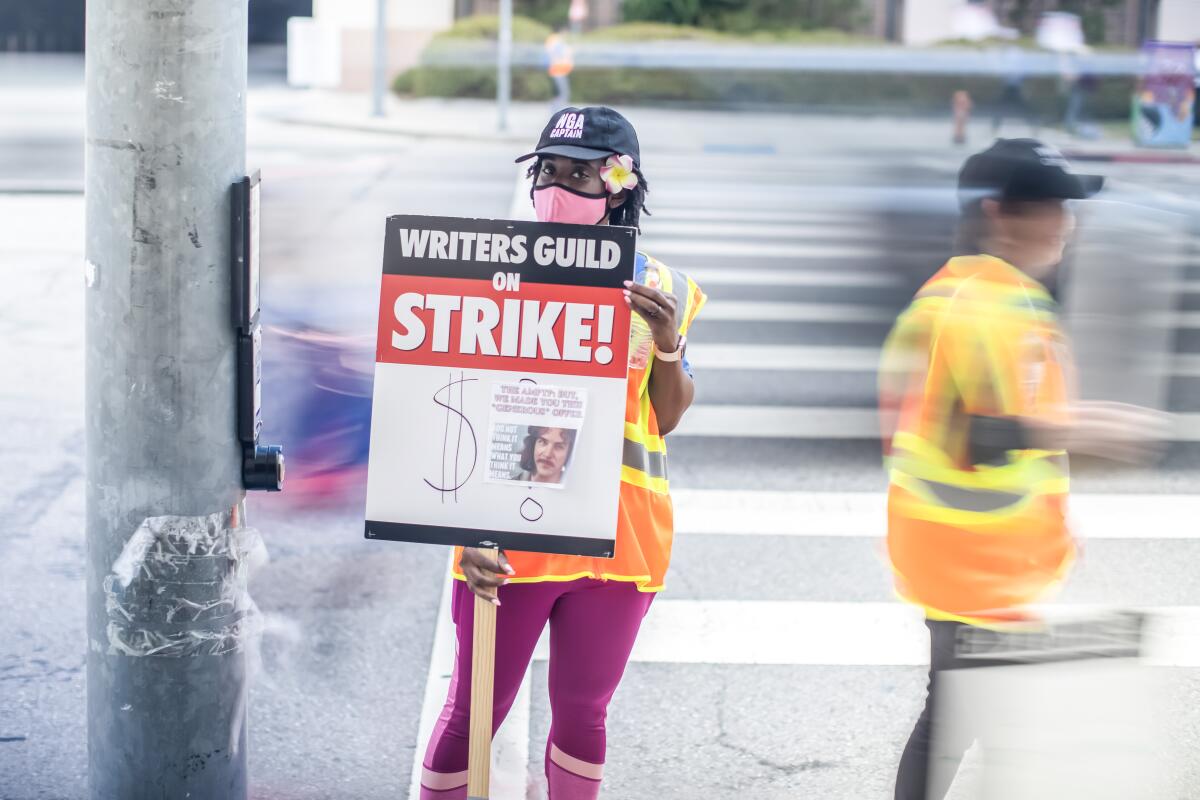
443,785
570,778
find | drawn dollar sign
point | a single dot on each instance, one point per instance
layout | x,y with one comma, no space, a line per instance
452,479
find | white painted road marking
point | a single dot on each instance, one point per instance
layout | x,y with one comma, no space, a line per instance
789,422
772,311
864,514
829,358
707,276
667,250
844,634
706,356
758,632
811,422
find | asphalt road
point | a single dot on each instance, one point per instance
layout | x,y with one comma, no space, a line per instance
776,664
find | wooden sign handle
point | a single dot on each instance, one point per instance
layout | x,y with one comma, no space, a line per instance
483,674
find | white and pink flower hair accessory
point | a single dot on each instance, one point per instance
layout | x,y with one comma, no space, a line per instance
618,173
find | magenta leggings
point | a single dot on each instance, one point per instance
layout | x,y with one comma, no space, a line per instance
593,625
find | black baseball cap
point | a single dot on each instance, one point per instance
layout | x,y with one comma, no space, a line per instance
587,133
1023,169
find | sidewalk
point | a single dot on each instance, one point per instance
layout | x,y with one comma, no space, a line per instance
674,129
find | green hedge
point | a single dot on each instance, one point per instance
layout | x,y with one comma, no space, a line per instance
652,32
531,31
477,82
745,16
487,28
666,32
884,93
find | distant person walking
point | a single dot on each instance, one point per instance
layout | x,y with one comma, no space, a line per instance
560,62
1075,85
578,15
961,106
1012,96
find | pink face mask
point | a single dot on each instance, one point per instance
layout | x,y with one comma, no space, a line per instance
559,204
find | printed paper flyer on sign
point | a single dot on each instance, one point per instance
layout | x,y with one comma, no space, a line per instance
500,384
533,432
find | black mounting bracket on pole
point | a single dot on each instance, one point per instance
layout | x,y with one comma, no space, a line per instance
262,465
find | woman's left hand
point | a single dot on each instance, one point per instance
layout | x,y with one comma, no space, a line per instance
658,310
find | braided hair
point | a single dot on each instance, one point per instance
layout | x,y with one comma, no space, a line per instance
628,214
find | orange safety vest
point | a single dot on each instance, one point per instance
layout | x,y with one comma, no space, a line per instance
975,542
645,518
558,51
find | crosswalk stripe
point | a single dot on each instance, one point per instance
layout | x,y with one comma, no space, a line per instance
864,514
806,633
706,356
1186,365
776,311
743,276
791,217
1179,320
830,358
779,422
812,422
772,311
814,633
746,250
851,230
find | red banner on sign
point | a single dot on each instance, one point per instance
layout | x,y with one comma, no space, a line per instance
531,327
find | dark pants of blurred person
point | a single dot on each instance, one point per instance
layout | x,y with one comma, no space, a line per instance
1012,102
1073,118
915,780
562,92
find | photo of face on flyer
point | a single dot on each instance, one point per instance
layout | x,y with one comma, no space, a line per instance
533,433
545,455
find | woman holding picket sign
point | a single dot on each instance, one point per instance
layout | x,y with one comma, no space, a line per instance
586,170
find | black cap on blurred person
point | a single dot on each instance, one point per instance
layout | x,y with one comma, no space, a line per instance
1023,169
586,134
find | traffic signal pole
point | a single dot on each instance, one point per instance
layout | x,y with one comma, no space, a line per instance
169,619
504,65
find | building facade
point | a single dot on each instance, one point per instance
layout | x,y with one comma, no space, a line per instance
1114,22
349,27
56,26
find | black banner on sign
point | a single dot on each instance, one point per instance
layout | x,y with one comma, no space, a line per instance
505,540
540,252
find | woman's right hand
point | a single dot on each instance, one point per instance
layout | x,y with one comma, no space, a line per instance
486,571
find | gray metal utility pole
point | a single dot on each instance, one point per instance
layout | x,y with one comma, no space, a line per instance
504,65
168,615
379,81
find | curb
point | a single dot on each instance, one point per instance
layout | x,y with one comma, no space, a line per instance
42,188
369,127
1132,157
